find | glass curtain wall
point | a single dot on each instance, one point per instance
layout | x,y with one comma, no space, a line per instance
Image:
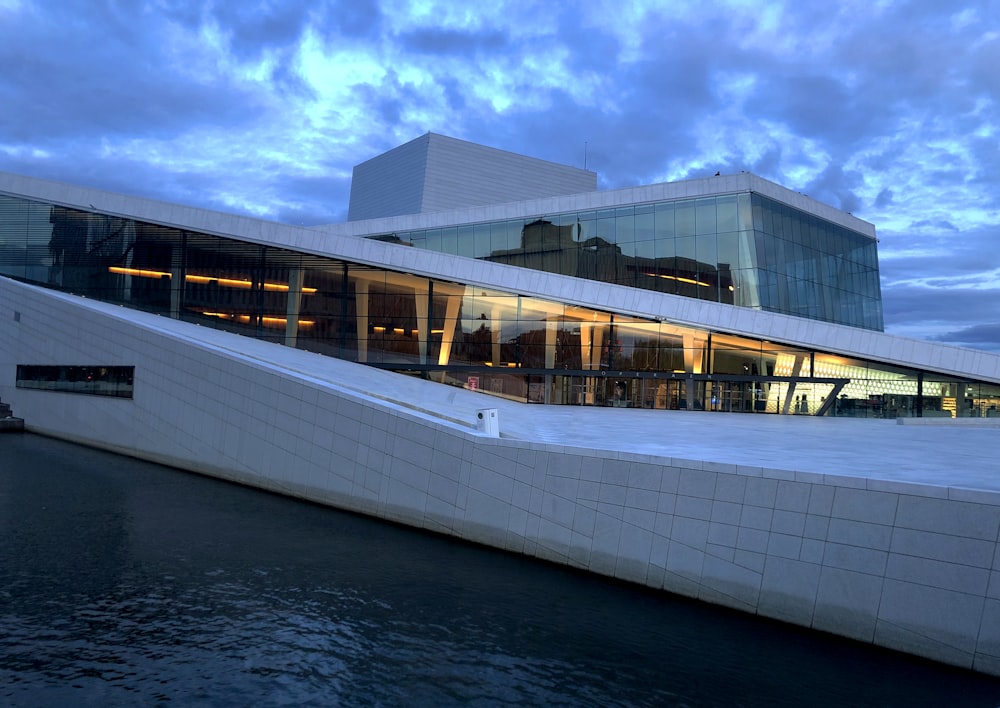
527,349
738,249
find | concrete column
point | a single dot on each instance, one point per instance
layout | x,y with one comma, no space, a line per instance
585,331
787,403
127,282
495,328
693,353
801,362
176,281
596,341
361,304
450,326
422,303
591,339
551,330
293,307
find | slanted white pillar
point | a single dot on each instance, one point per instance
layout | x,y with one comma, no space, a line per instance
551,330
422,304
450,327
361,305
591,340
597,342
176,281
293,307
694,355
495,329
801,361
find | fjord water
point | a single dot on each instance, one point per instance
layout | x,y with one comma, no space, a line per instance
128,583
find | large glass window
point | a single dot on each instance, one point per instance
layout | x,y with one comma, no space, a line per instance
689,247
113,381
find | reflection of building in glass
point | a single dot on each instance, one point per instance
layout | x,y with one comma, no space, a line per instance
744,249
727,294
565,250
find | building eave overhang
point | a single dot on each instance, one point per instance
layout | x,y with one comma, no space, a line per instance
604,199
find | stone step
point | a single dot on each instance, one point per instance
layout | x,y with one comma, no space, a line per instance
11,425
8,423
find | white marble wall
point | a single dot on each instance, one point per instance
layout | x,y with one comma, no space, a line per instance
906,566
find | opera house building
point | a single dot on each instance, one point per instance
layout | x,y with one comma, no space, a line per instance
482,269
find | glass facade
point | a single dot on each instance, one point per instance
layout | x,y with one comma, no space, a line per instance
527,349
739,249
114,381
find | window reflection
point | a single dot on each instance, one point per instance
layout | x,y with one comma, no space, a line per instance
114,381
805,266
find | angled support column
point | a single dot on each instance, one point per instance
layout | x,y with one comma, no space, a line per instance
831,399
787,403
693,357
591,339
176,280
597,342
293,307
495,333
361,300
800,359
551,330
422,302
450,327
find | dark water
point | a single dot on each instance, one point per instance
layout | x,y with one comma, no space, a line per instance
127,583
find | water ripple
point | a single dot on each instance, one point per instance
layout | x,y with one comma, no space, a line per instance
130,584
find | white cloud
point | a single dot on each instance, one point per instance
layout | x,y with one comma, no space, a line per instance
25,152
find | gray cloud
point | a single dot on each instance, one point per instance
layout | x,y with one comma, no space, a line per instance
958,306
980,336
944,286
253,28
449,41
70,85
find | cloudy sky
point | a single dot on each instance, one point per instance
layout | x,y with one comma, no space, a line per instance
886,109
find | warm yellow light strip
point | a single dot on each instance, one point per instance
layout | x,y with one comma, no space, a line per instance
281,321
680,279
245,284
138,272
267,321
228,282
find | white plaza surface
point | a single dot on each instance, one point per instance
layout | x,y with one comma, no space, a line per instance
962,454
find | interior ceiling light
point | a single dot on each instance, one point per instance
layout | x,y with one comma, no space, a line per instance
266,321
682,280
227,282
